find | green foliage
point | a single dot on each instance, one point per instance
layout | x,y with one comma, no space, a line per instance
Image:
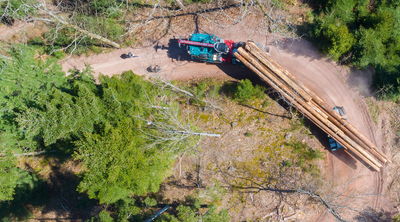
129,154
246,91
118,164
305,155
193,214
26,81
200,89
126,145
125,208
64,115
104,216
282,164
105,7
150,202
16,9
338,39
66,39
11,178
248,134
396,218
363,33
26,84
28,195
97,8
371,50
109,28
206,88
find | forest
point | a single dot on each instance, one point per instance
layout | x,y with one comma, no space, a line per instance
364,34
107,148
126,132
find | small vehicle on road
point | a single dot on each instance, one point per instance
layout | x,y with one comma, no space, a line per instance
128,55
153,68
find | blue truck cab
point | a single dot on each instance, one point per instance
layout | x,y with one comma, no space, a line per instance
204,53
333,145
209,48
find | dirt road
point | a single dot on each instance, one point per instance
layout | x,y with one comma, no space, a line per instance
326,78
329,81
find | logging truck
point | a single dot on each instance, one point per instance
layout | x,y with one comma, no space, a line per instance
211,49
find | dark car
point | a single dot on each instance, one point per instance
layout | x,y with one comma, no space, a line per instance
128,55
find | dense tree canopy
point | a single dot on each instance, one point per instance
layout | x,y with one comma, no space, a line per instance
126,131
364,33
192,214
25,84
128,154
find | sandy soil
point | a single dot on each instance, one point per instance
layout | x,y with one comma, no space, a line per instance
320,74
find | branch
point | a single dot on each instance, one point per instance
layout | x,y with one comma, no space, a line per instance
187,93
28,154
264,11
202,11
311,194
195,133
4,57
180,4
59,20
177,89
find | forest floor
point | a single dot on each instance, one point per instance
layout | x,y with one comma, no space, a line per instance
358,185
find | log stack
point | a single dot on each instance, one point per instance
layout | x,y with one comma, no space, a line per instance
312,106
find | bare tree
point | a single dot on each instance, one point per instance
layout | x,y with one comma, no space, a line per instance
164,84
165,125
273,174
35,11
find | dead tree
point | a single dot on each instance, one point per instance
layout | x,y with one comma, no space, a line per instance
59,20
164,125
54,18
168,85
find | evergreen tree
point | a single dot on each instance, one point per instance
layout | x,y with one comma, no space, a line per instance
365,34
25,84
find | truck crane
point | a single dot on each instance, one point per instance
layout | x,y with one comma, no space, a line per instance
209,48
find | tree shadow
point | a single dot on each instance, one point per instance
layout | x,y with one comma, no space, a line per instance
237,71
25,197
64,197
55,195
265,112
62,150
194,13
322,137
174,51
7,20
373,215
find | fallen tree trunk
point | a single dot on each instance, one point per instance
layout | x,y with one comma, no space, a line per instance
57,19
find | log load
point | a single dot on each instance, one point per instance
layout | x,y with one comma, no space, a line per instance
312,106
